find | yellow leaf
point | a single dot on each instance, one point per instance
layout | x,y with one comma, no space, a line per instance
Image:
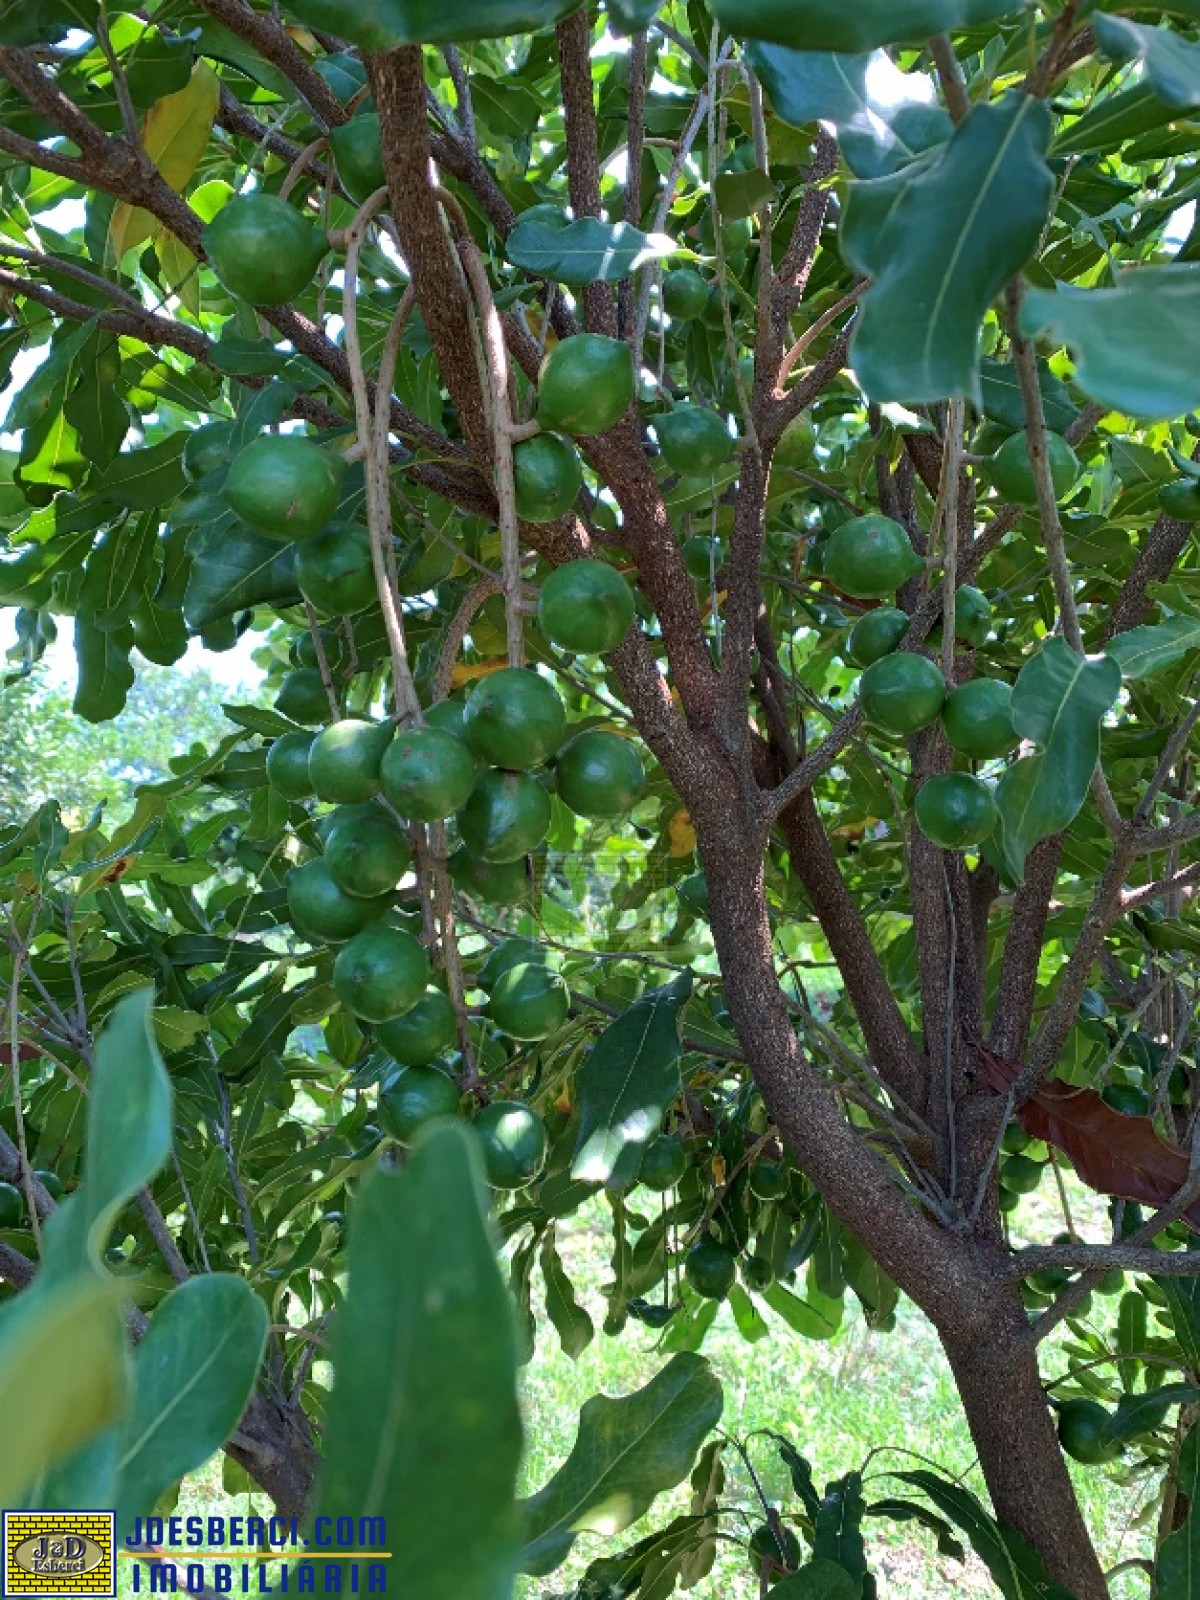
306,40
179,268
719,1169
175,135
681,833
468,671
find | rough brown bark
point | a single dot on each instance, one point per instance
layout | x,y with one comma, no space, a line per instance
996,1373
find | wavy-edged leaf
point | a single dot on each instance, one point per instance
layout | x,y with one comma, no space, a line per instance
142,479
105,673
193,1374
631,16
1059,701
884,117
942,248
234,568
1177,1568
423,1422
1141,652
837,1526
1112,1153
585,250
1170,62
1002,396
627,1083
865,25
626,1453
568,1318
1113,120
1153,369
1016,1570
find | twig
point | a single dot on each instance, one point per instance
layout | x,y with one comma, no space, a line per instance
950,76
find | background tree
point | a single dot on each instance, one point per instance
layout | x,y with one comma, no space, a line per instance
761,344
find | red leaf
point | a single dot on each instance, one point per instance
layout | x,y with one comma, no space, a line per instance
1112,1153
25,1052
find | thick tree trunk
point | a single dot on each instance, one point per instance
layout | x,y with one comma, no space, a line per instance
979,1315
1000,1386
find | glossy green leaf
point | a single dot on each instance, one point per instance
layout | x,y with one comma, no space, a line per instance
1002,396
1143,651
1153,369
833,25
385,23
818,1580
626,1453
423,1420
568,1318
837,1527
813,1317
585,250
141,479
1170,62
93,408
63,1376
884,117
1016,1570
193,1375
627,1083
1113,120
1141,1413
941,249
115,572
1183,1301
128,1138
1059,701
1177,1569
48,387
105,672
234,568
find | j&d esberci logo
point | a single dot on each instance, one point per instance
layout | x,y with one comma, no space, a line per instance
59,1553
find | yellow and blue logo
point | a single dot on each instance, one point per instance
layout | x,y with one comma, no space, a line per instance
59,1553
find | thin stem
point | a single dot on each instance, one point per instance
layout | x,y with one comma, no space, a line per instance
378,487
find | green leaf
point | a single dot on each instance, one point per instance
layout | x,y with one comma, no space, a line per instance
814,1317
626,1453
128,1139
631,16
884,117
569,1319
1183,1301
1143,651
1171,63
1113,120
193,1374
1142,1413
63,1376
234,568
115,572
1059,701
627,1083
423,1420
1002,396
818,1580
94,409
833,25
1153,368
1177,1569
837,1527
141,479
105,674
387,23
741,194
945,245
585,251
44,392
1016,1570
